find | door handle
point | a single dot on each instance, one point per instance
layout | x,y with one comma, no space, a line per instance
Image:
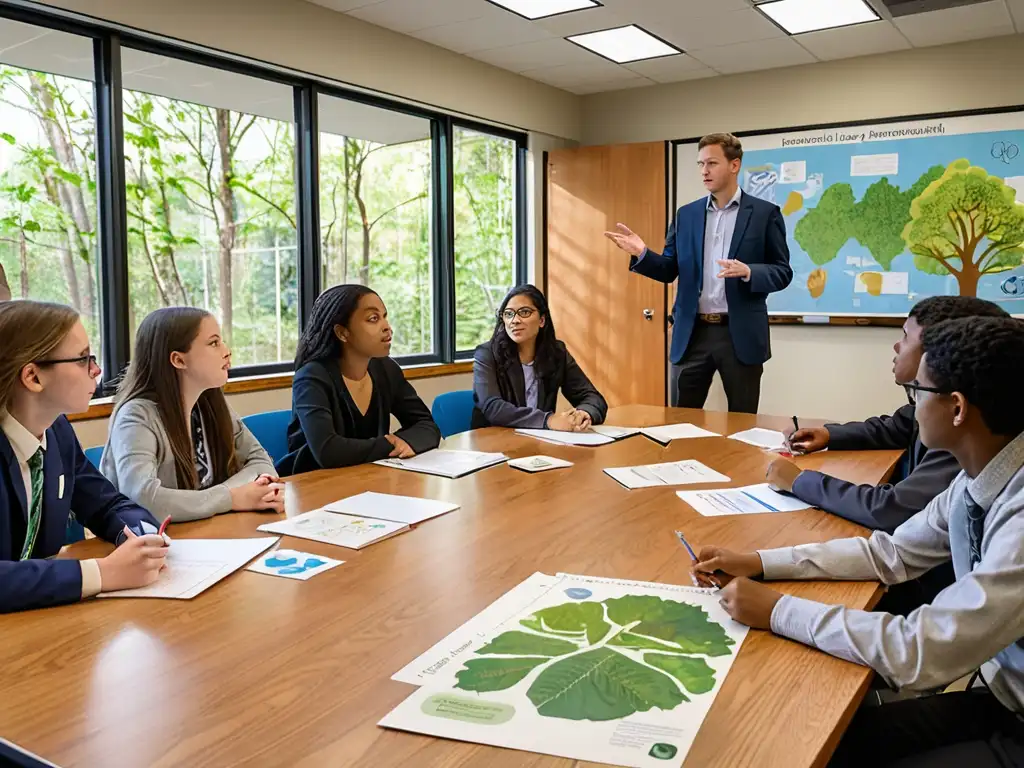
648,314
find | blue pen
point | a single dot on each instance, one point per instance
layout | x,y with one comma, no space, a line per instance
708,576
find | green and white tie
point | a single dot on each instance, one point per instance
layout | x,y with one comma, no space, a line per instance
35,507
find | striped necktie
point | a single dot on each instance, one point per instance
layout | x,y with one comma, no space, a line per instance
35,507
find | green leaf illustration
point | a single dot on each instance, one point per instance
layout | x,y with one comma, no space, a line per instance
630,640
681,623
571,617
695,674
525,644
495,674
601,685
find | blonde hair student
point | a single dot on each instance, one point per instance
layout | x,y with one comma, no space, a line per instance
48,369
174,444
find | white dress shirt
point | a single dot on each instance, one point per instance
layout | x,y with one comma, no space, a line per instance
719,225
25,445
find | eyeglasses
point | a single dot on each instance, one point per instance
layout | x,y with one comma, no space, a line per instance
84,360
523,312
913,388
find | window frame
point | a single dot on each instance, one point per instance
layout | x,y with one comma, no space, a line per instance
112,232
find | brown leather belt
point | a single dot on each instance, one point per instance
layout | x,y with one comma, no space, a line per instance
714,318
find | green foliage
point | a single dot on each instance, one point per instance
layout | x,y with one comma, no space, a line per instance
966,222
596,660
826,227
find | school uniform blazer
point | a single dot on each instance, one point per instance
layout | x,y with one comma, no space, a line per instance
138,460
926,474
322,432
71,485
499,396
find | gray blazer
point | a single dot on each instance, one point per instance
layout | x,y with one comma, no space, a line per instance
138,460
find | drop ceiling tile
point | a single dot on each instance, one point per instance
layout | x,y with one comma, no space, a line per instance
670,69
762,54
1017,12
569,75
858,40
493,30
578,22
344,5
617,85
679,9
410,15
554,52
715,31
966,22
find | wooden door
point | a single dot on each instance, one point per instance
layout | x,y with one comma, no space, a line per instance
612,320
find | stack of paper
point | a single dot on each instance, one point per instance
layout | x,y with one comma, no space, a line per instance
195,565
749,500
333,528
688,472
768,439
445,463
567,438
386,506
669,432
539,463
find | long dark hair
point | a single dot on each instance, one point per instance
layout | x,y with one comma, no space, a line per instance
334,306
151,376
506,351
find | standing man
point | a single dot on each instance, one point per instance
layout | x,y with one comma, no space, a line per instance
729,252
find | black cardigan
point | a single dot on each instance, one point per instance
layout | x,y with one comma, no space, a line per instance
323,413
499,396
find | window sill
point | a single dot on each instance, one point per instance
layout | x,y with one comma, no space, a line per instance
101,407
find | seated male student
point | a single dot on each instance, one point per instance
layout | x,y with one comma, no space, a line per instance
967,392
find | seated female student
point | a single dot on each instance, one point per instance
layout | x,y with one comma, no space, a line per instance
517,374
346,389
174,445
47,370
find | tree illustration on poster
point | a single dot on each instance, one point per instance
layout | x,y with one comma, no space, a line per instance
957,220
603,661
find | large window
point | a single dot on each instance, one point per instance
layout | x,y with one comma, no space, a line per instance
376,212
210,194
485,227
48,243
137,174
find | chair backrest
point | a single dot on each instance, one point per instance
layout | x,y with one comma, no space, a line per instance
75,531
453,412
271,429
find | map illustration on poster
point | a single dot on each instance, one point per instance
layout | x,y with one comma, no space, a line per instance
880,216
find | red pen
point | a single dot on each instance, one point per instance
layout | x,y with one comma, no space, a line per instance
163,526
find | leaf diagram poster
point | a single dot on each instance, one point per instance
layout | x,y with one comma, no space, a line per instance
593,669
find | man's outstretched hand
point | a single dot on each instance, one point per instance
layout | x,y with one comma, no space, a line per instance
627,240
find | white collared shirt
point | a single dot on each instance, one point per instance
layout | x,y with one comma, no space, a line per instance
719,225
25,445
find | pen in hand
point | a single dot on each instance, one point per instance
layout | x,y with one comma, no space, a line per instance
163,527
693,557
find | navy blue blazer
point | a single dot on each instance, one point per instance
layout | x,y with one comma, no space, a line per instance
759,241
37,582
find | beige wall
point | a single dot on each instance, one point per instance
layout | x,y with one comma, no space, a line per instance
966,76
94,431
313,39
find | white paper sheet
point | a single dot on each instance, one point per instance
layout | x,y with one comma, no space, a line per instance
290,564
445,463
669,432
875,165
591,669
615,433
567,438
447,651
688,472
195,565
769,439
385,506
749,500
337,529
539,463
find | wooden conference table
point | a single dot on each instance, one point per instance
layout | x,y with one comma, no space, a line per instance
264,671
